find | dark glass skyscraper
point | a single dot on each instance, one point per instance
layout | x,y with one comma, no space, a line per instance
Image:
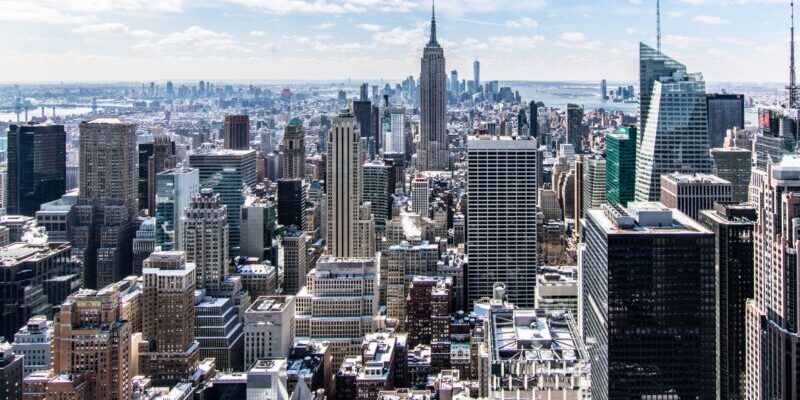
649,298
621,165
36,167
733,227
533,112
725,111
237,132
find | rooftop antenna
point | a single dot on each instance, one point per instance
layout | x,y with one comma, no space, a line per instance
792,83
658,24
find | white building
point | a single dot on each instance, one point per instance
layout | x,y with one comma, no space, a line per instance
267,380
268,328
420,195
339,304
557,289
501,223
174,191
205,238
33,342
594,181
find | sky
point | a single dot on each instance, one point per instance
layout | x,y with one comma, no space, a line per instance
534,40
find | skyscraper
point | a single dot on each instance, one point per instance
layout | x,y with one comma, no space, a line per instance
621,165
594,182
603,90
652,66
771,318
237,132
36,167
725,111
168,351
575,127
432,154
733,226
295,264
476,75
174,190
376,191
11,372
291,202
349,223
294,151
648,281
692,193
205,239
533,121
163,158
454,86
733,162
107,200
676,130
501,218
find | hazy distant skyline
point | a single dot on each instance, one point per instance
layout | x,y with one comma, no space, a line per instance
537,40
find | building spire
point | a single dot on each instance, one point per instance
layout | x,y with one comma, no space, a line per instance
433,23
792,83
658,25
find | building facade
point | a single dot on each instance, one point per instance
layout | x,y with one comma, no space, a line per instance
432,152
36,170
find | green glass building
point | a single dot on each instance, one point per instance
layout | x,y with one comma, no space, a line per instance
621,165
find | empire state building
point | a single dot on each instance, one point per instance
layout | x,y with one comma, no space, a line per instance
432,154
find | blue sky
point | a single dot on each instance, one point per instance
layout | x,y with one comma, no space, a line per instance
51,40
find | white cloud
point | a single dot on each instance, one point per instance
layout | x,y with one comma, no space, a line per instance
460,7
730,2
631,31
323,26
369,27
402,37
573,37
736,41
684,42
38,13
635,2
675,14
143,33
257,33
709,20
324,6
512,43
338,48
196,36
109,27
526,22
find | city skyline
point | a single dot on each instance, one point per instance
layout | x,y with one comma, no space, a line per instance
299,39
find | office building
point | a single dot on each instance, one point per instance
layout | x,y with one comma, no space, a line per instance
168,351
107,200
362,109
258,279
420,195
259,217
648,289
266,379
162,156
653,65
603,90
268,328
311,363
25,269
349,223
205,239
557,289
621,165
533,120
675,137
725,111
771,324
402,263
575,127
295,264
593,190
501,222
428,308
733,163
692,193
144,243
230,173
33,342
376,191
11,372
476,75
394,130
339,304
529,353
432,152
291,202
294,150
237,132
219,332
91,337
174,191
57,217
36,168
733,226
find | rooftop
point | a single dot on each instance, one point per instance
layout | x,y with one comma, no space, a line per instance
695,179
270,304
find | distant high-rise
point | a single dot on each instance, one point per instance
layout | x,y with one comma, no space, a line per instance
575,127
648,281
237,132
771,318
621,165
533,120
36,167
733,227
346,235
501,218
725,111
168,351
476,75
107,200
205,239
603,90
174,190
294,151
676,129
594,182
363,112
454,86
432,153
733,162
